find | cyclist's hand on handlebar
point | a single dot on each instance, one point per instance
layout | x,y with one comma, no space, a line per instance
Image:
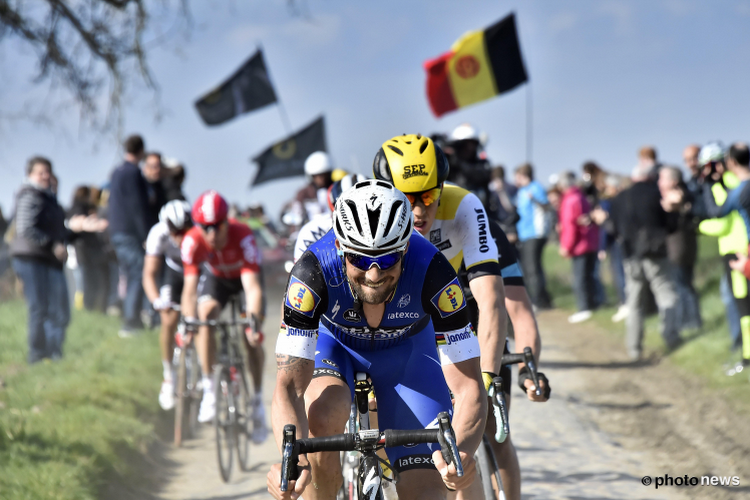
161,304
254,337
528,385
448,472
295,487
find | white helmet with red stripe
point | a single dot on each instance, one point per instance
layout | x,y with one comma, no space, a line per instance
210,208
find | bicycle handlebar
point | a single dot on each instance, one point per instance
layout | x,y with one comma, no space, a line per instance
526,357
366,441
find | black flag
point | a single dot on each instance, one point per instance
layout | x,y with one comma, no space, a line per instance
248,89
287,157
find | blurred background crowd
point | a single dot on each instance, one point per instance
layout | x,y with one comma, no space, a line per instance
632,240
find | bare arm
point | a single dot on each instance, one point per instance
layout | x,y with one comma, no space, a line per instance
288,406
526,330
492,329
188,304
253,294
151,267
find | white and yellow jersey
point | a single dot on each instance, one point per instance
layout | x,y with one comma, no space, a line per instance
461,231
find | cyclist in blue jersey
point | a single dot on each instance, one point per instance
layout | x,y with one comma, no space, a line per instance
372,297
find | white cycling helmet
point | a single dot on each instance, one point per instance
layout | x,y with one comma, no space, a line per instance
713,151
465,132
318,163
373,216
176,215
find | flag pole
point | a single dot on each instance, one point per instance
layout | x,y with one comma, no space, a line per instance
282,110
529,123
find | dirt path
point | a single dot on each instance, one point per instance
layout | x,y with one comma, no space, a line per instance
608,425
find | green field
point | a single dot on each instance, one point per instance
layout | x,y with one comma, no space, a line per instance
705,351
67,427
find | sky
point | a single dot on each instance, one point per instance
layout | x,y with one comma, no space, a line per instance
606,77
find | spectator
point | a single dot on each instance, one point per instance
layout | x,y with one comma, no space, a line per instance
89,248
609,246
690,157
39,253
313,198
130,212
682,247
641,226
647,161
469,167
533,230
579,240
594,179
501,205
173,179
153,171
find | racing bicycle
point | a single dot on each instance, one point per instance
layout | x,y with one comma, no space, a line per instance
233,419
367,442
487,467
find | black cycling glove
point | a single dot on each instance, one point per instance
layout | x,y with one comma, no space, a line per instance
524,375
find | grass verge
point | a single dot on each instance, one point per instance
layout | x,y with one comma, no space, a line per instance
67,427
706,350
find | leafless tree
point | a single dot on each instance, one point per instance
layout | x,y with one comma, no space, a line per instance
88,47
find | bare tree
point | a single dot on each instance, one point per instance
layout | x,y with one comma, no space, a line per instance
88,47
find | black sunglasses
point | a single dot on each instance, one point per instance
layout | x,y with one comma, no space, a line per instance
210,227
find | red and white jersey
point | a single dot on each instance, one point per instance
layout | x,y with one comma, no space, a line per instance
239,256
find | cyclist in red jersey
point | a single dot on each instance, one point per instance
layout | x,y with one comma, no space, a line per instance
220,259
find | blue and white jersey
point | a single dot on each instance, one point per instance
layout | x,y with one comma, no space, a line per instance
428,295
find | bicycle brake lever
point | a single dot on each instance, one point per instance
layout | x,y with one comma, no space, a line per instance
288,459
448,446
529,360
499,409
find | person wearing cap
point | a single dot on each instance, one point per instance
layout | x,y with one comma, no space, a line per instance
469,166
736,161
312,199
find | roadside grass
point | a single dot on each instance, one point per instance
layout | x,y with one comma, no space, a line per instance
67,427
705,351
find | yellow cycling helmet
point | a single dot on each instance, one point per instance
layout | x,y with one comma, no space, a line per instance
412,163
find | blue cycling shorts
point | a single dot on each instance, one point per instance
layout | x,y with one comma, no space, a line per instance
408,382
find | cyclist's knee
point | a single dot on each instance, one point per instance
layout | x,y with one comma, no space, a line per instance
503,451
208,309
328,407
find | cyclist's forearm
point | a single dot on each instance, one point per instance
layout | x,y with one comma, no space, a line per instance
470,408
188,303
253,295
151,267
288,406
493,324
521,315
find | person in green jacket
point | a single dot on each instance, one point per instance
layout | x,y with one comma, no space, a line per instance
733,239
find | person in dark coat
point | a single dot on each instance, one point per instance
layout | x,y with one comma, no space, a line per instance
39,253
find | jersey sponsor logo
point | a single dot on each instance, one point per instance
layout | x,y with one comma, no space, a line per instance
444,245
450,299
448,338
323,372
482,226
414,171
335,281
291,331
368,333
330,363
335,309
301,298
414,462
352,316
403,315
187,250
404,301
435,236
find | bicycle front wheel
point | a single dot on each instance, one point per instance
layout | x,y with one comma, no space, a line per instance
488,471
195,395
244,419
181,400
224,421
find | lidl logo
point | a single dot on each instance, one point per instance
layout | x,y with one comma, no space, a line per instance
450,299
301,298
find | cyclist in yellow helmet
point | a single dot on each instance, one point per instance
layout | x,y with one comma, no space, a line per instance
454,220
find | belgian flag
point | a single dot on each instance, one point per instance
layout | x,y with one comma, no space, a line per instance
480,65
